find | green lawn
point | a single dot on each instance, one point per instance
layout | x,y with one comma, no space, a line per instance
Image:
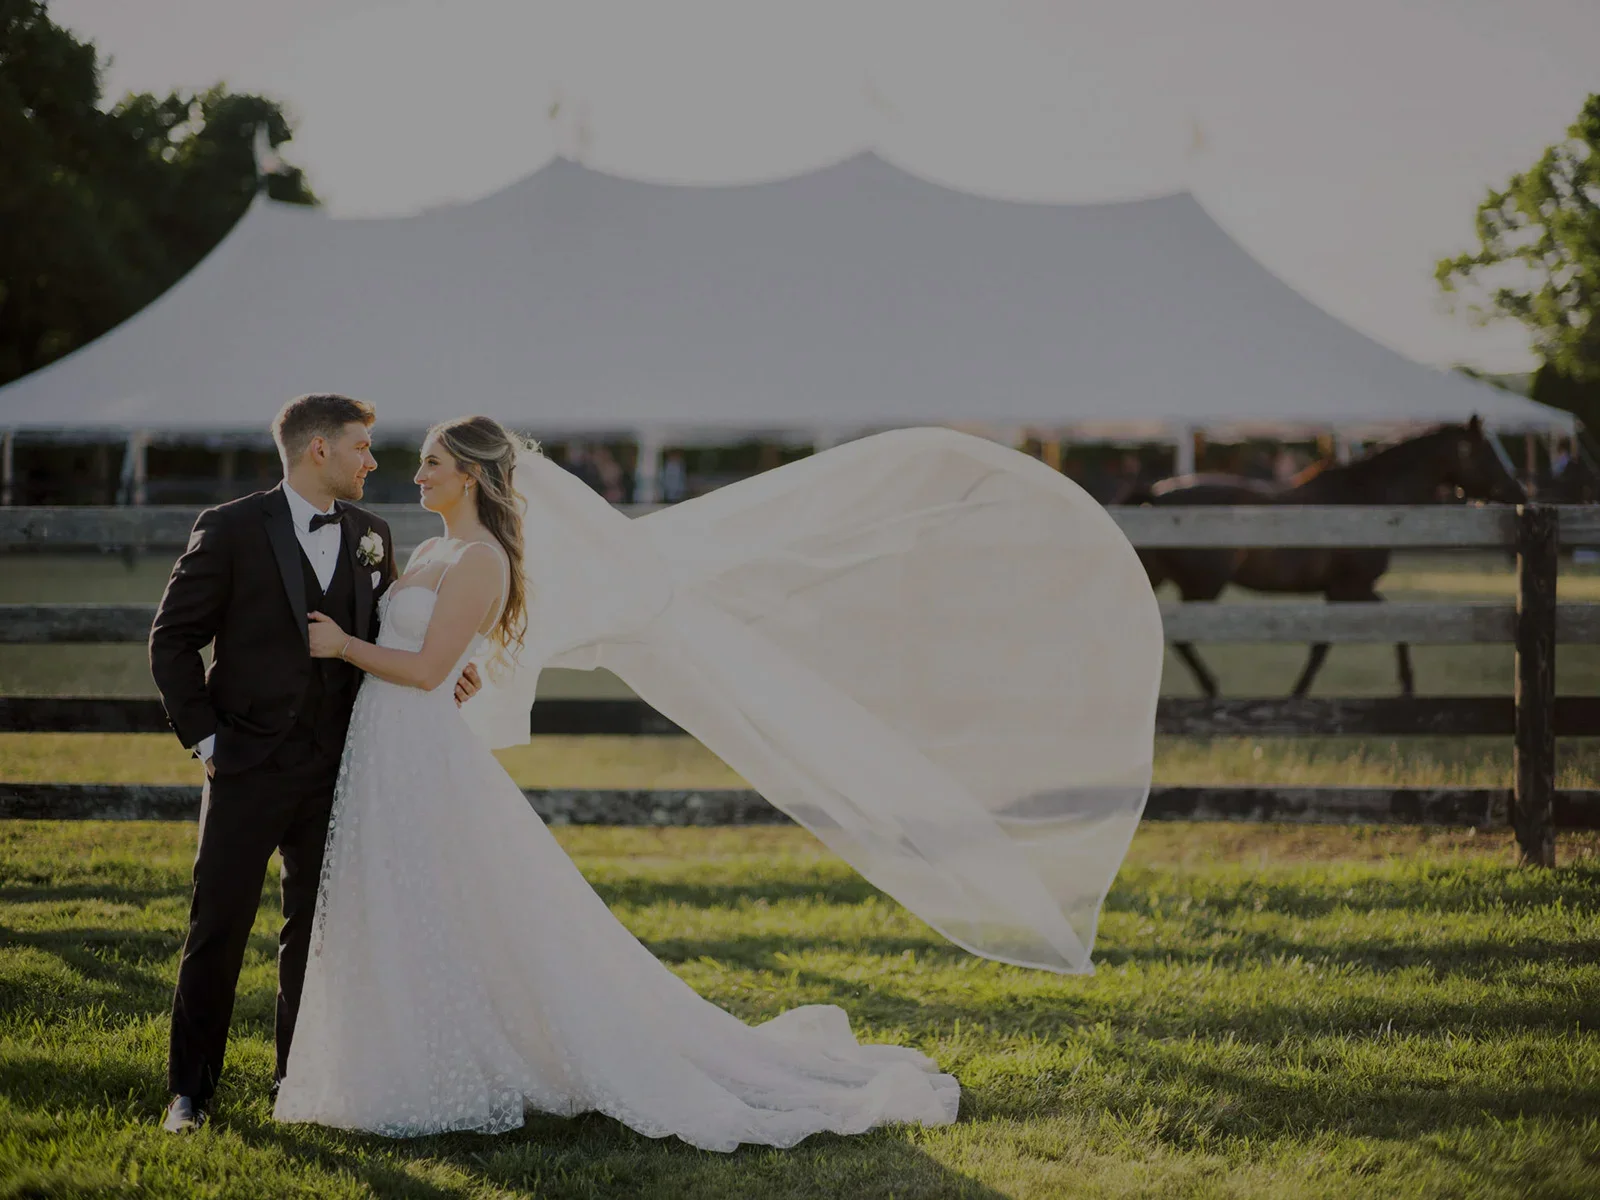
1278,1012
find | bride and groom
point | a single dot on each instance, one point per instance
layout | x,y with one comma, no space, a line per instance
937,654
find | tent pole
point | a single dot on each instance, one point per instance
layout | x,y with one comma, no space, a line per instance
1188,435
7,469
141,468
647,466
131,489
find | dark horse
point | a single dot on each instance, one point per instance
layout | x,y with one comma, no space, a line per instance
1455,460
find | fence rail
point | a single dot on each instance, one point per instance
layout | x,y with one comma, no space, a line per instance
1443,716
1421,624
1402,527
1486,809
1533,716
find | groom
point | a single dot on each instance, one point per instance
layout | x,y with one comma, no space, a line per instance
267,721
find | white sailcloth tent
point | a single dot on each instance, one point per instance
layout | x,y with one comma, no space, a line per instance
850,298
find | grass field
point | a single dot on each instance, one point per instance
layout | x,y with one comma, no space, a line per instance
1308,1013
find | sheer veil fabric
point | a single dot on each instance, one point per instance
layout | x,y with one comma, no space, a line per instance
937,654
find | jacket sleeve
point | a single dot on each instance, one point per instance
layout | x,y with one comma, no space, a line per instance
187,620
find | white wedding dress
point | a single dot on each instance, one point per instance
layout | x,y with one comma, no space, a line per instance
806,625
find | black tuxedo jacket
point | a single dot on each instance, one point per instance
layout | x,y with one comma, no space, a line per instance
240,586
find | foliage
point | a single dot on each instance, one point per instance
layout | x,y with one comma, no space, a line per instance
102,210
1538,257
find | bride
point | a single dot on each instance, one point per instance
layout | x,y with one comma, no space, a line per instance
937,654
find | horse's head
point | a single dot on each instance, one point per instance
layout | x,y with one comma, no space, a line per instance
1476,466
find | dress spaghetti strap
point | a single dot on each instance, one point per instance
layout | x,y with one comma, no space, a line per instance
500,557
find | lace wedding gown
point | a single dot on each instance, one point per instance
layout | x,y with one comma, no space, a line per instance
463,970
940,656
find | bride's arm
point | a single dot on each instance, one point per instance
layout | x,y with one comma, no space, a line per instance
466,597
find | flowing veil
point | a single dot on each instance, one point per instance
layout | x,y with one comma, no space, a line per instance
937,654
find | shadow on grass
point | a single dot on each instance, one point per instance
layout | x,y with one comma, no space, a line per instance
589,1155
1480,890
1302,1007
597,1156
1477,959
137,967
136,963
1200,1101
762,952
121,894
643,892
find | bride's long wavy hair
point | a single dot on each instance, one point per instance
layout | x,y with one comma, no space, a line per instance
487,451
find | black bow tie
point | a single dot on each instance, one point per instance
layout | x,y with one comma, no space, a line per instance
318,520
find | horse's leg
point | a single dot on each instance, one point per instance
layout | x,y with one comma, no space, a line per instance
1201,576
1159,570
1402,658
1408,681
1319,653
1197,668
1353,592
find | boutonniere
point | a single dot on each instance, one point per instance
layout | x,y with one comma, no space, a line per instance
369,550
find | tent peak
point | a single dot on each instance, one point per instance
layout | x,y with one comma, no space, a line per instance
863,168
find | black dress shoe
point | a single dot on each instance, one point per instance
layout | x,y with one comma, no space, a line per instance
184,1115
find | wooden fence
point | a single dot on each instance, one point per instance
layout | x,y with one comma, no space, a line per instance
1533,715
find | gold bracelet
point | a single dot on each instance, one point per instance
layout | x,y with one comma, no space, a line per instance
346,646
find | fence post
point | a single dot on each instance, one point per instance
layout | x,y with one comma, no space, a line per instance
1534,755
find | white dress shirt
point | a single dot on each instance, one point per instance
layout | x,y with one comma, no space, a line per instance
322,549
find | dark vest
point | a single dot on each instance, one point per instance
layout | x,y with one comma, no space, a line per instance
323,715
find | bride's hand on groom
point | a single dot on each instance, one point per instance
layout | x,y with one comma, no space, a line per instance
327,639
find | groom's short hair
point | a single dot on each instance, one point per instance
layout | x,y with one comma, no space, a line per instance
316,414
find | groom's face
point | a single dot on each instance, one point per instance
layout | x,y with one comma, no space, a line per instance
349,458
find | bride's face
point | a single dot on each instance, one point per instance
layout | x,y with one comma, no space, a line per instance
442,483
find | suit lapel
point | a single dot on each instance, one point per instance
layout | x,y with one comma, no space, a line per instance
286,549
350,523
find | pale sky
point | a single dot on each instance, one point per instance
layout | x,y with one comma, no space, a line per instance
1346,145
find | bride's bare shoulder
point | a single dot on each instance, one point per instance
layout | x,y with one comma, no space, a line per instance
478,559
421,551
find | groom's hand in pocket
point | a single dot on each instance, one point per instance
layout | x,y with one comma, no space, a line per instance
468,684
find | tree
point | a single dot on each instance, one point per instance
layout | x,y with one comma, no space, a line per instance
102,210
1539,262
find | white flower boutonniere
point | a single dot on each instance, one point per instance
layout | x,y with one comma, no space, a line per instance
370,549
